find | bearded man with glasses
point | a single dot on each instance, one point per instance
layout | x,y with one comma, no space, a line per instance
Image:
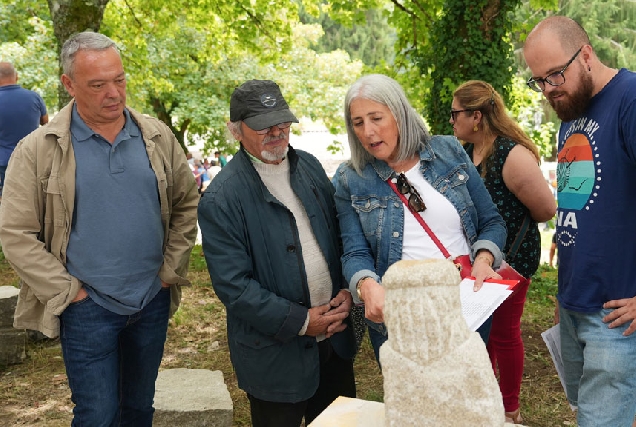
271,242
596,178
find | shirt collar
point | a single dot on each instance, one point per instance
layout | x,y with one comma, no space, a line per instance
81,132
253,158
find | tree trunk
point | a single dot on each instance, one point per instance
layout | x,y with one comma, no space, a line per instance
165,115
470,41
70,17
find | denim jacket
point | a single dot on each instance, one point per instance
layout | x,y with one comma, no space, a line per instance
371,215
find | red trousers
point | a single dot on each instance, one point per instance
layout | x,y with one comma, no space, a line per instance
505,346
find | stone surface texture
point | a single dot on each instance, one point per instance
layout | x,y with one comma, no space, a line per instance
8,301
349,412
436,371
12,341
193,398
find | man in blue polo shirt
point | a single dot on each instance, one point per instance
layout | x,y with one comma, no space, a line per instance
98,219
21,112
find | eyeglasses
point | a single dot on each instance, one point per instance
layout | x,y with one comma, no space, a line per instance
455,112
415,200
280,126
554,79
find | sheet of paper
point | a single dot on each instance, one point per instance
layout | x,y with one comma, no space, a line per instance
478,306
552,338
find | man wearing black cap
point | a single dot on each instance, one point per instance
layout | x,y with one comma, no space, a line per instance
271,242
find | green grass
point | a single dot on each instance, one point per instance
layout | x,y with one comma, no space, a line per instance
35,392
544,286
8,277
197,260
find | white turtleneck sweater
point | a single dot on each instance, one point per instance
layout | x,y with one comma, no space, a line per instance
277,180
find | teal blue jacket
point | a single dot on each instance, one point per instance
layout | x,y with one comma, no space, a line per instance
253,252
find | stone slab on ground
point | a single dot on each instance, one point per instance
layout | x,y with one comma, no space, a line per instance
12,346
348,412
193,398
8,301
12,341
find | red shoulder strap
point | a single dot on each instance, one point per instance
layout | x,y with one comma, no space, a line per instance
419,219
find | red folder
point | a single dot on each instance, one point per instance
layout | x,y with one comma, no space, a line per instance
509,276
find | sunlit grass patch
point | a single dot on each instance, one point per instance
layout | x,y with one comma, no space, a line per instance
36,393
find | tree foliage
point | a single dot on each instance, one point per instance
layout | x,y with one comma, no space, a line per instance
370,42
468,41
184,70
34,57
183,60
611,25
530,112
15,17
70,17
442,43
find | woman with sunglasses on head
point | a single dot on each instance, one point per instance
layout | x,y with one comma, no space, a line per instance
397,173
508,162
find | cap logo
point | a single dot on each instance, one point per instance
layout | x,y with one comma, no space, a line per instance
268,100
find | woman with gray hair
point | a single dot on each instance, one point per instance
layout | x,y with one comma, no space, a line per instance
399,182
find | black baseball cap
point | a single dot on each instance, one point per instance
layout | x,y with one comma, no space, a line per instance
260,104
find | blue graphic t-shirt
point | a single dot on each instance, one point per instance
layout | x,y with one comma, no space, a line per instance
596,175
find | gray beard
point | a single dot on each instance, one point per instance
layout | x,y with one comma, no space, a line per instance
278,154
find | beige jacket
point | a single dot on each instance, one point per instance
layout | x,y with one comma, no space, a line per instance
37,210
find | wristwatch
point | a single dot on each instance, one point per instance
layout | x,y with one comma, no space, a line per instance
358,287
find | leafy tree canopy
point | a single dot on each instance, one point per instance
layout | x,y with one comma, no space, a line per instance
184,69
34,57
370,42
15,17
183,60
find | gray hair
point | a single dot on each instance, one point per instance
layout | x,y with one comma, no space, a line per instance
235,127
87,40
7,71
412,132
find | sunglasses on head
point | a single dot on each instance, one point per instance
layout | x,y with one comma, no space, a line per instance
415,200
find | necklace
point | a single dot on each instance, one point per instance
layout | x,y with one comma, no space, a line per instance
404,165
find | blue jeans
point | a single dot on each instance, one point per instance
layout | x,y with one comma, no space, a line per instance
3,169
112,361
378,335
600,369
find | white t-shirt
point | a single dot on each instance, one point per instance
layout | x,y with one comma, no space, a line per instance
442,218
